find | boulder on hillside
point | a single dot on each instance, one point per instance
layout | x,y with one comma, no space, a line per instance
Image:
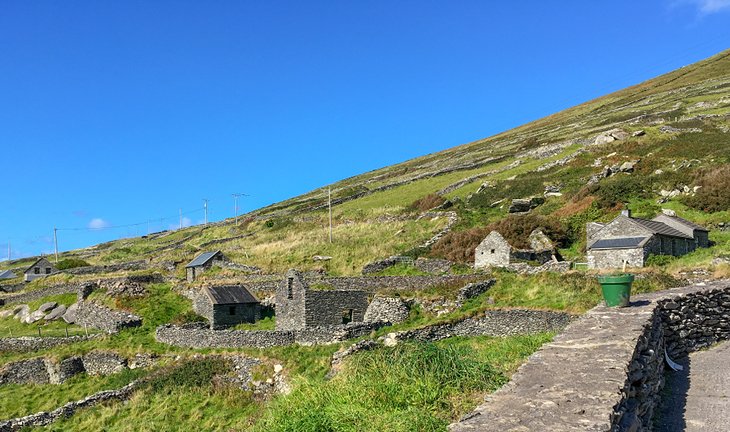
35,316
70,315
610,136
56,313
540,242
520,205
22,312
45,307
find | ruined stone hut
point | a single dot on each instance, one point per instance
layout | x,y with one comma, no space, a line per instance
226,306
495,250
39,269
632,240
203,262
299,307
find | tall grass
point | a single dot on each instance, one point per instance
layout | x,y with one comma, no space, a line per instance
411,387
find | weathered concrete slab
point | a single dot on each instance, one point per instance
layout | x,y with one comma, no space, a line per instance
699,396
575,382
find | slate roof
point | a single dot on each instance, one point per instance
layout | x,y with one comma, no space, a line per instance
36,263
619,243
7,274
202,259
231,294
688,223
656,227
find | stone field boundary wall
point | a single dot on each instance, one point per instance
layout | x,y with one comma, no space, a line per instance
196,336
27,344
38,294
47,417
605,372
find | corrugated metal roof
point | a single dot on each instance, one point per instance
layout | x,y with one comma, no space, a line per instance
7,274
232,294
618,243
657,227
202,259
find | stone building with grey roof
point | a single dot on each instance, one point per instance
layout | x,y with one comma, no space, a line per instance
226,306
203,262
632,240
41,268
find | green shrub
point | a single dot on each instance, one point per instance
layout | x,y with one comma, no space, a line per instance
659,260
622,188
69,263
714,192
191,374
427,203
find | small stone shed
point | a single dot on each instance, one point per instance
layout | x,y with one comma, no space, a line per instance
226,306
7,274
203,262
632,240
39,269
495,250
298,307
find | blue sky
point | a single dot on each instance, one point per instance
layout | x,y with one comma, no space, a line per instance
116,113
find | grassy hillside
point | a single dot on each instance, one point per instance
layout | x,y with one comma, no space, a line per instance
675,131
685,118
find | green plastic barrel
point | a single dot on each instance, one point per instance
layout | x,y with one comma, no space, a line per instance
616,289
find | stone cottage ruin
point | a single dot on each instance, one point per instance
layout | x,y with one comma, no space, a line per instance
495,250
299,307
632,240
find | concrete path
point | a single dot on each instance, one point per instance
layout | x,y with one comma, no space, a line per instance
698,398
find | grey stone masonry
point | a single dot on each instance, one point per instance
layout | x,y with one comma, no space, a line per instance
26,344
47,417
605,372
298,307
101,317
197,336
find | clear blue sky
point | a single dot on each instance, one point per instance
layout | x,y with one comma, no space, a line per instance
113,113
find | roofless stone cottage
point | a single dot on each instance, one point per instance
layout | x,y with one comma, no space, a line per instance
632,240
298,307
203,262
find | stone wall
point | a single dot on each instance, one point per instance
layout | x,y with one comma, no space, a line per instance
389,309
101,317
329,308
48,417
410,283
45,370
27,344
197,336
128,266
605,372
614,258
38,294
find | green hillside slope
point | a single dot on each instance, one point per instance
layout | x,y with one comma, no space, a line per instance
685,119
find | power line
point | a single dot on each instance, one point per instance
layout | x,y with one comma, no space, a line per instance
146,222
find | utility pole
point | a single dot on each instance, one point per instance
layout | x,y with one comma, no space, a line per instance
329,204
55,242
180,218
9,255
235,205
205,207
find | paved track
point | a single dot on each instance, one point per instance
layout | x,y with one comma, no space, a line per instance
700,395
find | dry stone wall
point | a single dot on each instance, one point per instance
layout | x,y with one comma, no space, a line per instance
101,317
199,336
605,372
27,344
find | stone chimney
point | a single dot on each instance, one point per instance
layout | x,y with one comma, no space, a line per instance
626,213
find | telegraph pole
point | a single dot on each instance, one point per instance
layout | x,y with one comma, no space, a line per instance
329,204
180,218
9,255
55,242
235,205
205,206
